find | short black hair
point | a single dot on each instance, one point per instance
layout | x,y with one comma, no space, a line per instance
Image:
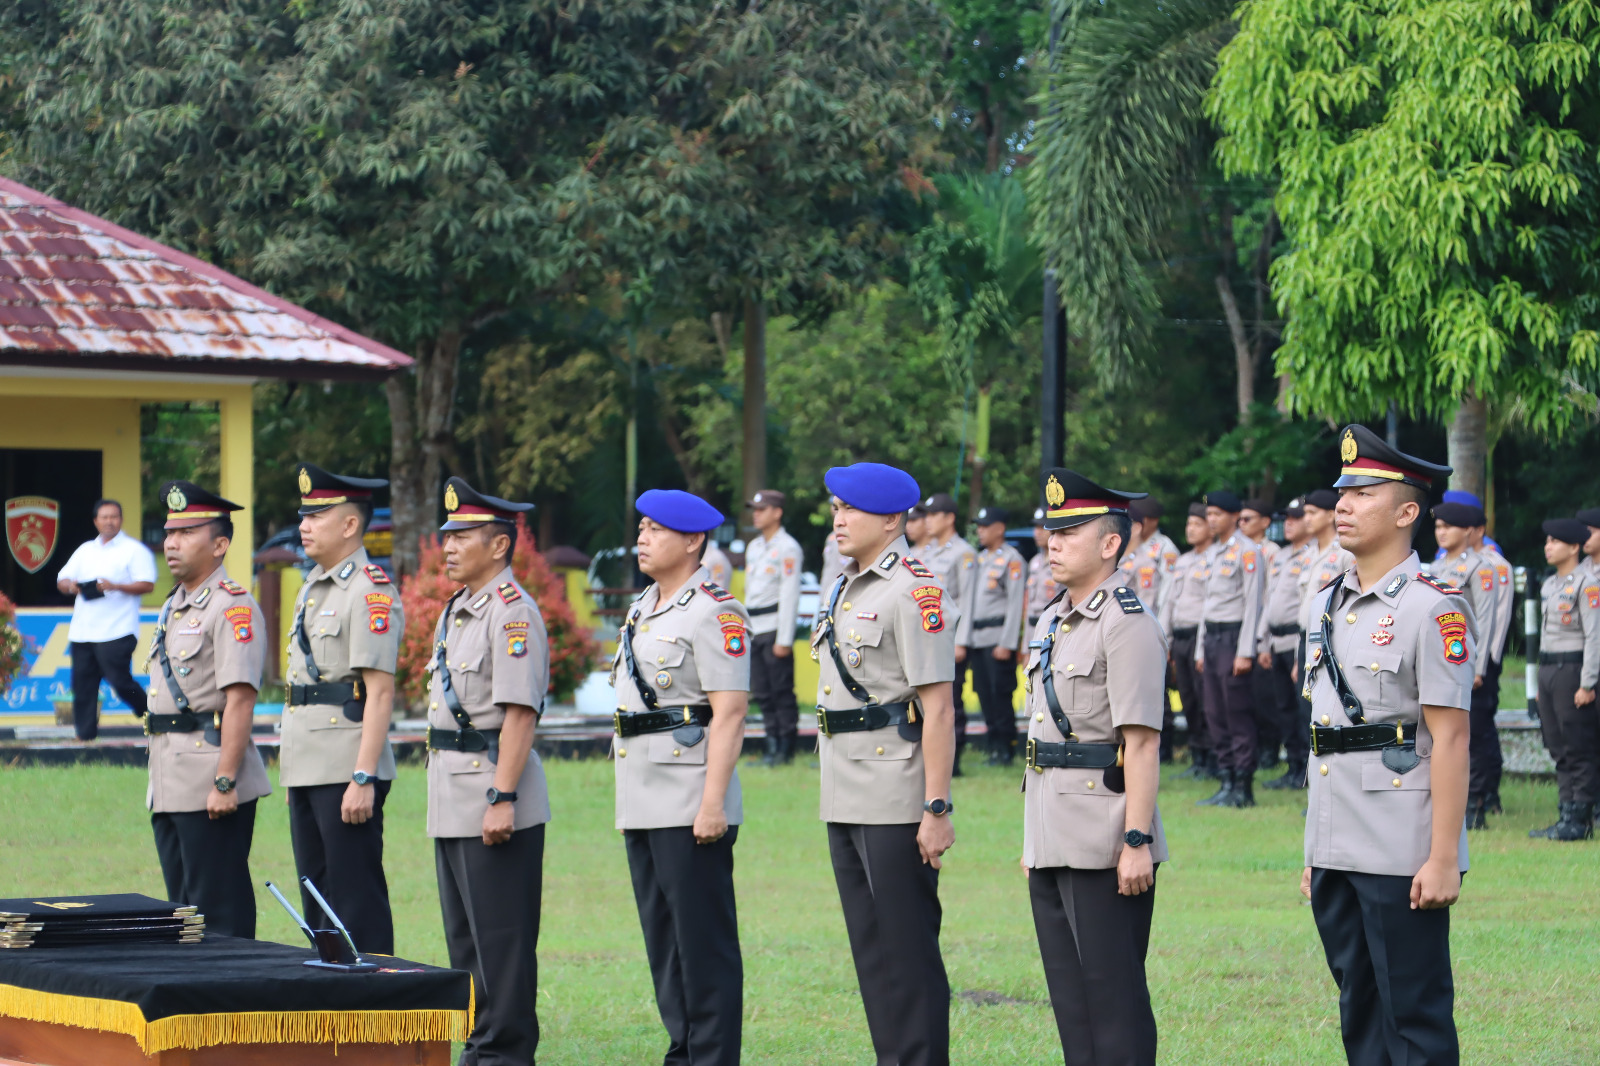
496,529
221,527
1118,523
1419,496
364,512
104,502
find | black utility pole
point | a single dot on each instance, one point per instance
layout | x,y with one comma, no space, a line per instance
1053,379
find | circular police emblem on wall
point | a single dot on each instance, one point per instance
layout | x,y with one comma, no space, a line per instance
852,657
176,500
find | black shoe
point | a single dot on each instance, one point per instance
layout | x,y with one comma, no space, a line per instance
1491,804
1196,770
1475,813
1577,824
955,767
1268,760
1544,834
1244,792
786,746
1221,797
1292,778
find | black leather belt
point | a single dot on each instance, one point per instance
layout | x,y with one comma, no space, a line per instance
635,723
1338,740
862,719
1554,658
1042,755
756,612
1185,632
172,723
463,739
329,693
1283,630
1223,627
988,623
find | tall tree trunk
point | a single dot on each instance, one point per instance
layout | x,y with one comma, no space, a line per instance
1469,445
755,398
421,441
1244,359
405,475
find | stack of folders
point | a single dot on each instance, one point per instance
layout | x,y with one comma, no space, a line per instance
73,921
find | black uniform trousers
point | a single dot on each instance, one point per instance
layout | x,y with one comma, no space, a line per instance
1483,739
1297,744
1392,966
684,892
1230,703
344,861
772,686
1571,733
490,898
205,863
113,661
960,697
891,911
996,685
1277,702
1190,687
1093,944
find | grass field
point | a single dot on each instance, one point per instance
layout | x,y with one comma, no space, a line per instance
1236,970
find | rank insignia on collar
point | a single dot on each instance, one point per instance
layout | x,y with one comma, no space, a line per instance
918,570
508,592
889,561
232,588
346,570
716,591
1399,582
205,594
477,604
376,574
683,601
1128,600
1095,601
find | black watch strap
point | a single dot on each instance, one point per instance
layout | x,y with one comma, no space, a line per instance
494,795
1136,838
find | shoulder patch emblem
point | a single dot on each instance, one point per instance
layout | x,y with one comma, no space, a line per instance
733,638
967,560
239,618
1249,562
516,639
788,566
376,574
378,606
508,592
1432,582
1129,601
1453,629
1592,593
929,598
918,570
232,588
1486,579
1095,601
715,591
1016,569
346,570
1147,577
205,594
889,561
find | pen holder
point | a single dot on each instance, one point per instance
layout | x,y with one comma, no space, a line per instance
333,953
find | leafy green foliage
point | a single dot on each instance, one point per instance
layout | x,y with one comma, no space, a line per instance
986,74
1266,449
1437,169
341,427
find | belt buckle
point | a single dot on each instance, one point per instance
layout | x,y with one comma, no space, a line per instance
688,716
616,721
1314,749
1033,756
822,723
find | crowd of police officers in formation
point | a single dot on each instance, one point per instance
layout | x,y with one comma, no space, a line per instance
1374,672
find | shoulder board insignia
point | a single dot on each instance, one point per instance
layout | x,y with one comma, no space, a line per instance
508,592
716,592
232,588
1429,580
1128,601
376,574
205,594
918,570
346,570
477,604
889,561
1095,601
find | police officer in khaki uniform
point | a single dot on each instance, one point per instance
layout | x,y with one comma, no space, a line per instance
1092,836
772,562
1255,518
335,757
1041,585
916,532
717,563
955,563
1278,639
1474,575
887,742
991,631
205,666
682,680
1181,611
1569,668
1390,679
1226,649
487,802
1488,760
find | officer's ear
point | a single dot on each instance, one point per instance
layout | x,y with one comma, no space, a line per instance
696,550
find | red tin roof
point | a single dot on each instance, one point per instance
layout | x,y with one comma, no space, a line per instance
79,292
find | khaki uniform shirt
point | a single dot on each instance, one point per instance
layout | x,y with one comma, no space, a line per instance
955,564
894,636
772,578
1402,645
1474,575
1283,598
214,640
1041,586
354,621
1571,619
1145,571
1505,601
717,563
691,645
1110,668
998,594
832,565
1323,565
1185,599
497,654
1235,569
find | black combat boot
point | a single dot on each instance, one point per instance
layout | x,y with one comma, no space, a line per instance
1491,803
1576,824
770,757
1293,777
1544,834
1268,760
1476,807
1197,767
1244,792
1223,794
786,745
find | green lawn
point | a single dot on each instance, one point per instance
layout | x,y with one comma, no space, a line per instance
1236,970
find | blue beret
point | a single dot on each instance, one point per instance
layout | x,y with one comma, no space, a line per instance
679,510
873,487
1462,496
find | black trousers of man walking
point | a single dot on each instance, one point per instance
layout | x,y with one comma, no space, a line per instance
892,914
1484,757
490,897
996,683
205,862
1230,701
684,892
1093,943
1190,687
111,660
1392,966
344,861
772,689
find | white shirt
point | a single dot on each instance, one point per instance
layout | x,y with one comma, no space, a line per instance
114,615
772,579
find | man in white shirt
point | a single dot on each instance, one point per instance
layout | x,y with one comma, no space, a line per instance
107,575
772,596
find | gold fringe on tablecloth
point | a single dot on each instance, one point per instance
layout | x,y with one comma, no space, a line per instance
250,1027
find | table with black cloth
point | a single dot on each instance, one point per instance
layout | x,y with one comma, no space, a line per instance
224,1000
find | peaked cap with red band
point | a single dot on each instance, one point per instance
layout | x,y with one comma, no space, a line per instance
467,508
1070,499
190,505
1368,460
320,490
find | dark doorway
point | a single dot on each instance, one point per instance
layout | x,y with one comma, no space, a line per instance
72,479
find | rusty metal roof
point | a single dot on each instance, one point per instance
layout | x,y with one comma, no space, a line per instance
78,291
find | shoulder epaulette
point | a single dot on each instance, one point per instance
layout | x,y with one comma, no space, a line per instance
1128,600
716,591
1434,583
232,588
508,592
918,570
376,574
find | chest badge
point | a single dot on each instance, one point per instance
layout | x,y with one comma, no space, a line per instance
1382,637
1386,621
852,657
663,679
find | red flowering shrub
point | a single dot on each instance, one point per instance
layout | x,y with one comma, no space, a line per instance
572,651
11,644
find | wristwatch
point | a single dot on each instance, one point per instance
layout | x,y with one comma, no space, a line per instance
938,807
1136,839
223,784
496,796
361,777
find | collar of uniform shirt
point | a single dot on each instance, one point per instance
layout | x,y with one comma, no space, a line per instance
1410,567
897,548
